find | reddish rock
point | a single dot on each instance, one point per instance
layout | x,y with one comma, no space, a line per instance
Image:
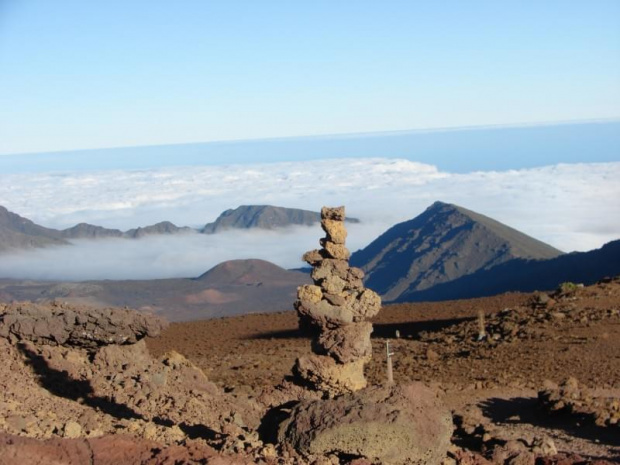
387,425
108,450
76,326
335,311
346,343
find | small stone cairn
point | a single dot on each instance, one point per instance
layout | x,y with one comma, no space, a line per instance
337,307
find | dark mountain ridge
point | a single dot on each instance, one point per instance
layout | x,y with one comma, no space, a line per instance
527,275
90,231
263,217
163,227
17,232
440,245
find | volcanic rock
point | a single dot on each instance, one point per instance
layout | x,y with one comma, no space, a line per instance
346,343
389,425
337,307
324,374
107,450
74,326
573,399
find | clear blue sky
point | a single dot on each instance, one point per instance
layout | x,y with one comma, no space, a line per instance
78,74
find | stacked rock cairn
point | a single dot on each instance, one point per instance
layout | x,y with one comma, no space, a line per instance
337,307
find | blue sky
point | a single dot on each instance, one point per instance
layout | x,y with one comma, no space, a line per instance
82,74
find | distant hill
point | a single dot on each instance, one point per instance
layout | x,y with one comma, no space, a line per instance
444,243
237,287
252,272
89,231
263,217
164,227
17,232
527,275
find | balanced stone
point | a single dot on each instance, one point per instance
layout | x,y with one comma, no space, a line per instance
337,307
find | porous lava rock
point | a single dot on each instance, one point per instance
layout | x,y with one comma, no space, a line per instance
107,450
574,399
66,325
128,382
336,308
396,424
57,382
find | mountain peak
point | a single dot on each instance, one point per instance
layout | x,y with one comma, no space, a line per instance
443,243
17,232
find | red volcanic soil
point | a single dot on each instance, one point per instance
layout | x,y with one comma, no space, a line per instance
261,349
525,376
530,338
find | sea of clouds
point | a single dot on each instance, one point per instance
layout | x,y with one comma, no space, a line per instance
573,207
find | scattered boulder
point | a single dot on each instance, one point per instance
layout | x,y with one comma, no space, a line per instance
66,325
84,373
127,382
526,322
404,424
573,399
336,309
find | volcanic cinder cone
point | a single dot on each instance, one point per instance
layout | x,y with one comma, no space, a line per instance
338,307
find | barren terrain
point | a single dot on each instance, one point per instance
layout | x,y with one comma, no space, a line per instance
572,334
540,385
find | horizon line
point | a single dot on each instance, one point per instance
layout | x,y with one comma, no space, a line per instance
344,135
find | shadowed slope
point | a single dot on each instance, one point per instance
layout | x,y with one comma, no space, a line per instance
442,244
527,275
17,232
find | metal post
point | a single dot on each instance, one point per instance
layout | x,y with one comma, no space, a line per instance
390,373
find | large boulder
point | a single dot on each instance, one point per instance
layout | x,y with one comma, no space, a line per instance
66,325
390,425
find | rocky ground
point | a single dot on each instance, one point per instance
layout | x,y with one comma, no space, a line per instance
531,341
528,379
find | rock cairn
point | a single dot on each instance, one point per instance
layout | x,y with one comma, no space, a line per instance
337,306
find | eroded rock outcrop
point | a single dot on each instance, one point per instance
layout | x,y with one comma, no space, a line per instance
83,372
67,325
389,425
336,308
574,399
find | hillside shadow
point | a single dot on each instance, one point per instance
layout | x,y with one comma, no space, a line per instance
192,431
410,329
526,275
62,385
528,411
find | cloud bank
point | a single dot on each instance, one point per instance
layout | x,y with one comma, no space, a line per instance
572,207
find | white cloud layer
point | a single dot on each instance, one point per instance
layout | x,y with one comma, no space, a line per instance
572,207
